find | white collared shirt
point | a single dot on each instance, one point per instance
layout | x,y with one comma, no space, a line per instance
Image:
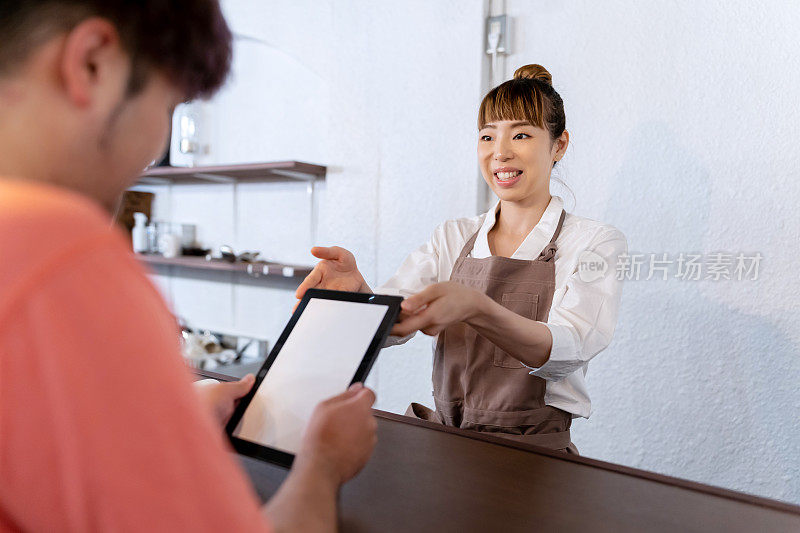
584,311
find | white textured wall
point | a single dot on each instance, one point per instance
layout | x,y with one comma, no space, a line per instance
384,94
684,119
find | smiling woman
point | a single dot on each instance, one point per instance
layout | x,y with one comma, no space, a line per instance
528,113
515,323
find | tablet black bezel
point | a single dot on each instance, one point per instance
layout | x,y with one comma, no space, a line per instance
282,458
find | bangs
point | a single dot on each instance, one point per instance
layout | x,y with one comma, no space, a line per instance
515,99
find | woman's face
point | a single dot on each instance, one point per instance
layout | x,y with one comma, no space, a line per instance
516,159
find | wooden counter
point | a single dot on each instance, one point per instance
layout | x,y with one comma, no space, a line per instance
426,478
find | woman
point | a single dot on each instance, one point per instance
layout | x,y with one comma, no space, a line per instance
516,318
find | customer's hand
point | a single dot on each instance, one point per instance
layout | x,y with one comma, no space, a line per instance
337,272
338,441
221,398
340,436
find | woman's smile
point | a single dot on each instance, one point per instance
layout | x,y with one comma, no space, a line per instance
516,158
507,176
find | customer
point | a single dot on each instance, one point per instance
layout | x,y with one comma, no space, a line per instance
100,428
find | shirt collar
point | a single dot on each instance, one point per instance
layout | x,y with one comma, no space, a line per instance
534,242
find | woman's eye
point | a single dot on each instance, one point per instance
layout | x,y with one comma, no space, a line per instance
521,136
486,138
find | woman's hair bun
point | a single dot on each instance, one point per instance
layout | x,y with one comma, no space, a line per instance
533,72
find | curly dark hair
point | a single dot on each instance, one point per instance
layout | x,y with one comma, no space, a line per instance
188,40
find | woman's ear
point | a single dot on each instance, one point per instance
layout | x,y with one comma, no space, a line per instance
560,146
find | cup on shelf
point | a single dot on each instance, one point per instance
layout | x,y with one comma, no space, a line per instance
152,238
188,235
169,245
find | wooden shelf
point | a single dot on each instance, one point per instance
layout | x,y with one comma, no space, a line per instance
255,270
254,172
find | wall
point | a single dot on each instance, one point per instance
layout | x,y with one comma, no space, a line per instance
684,117
385,94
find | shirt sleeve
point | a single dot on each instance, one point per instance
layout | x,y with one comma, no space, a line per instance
419,269
101,429
583,320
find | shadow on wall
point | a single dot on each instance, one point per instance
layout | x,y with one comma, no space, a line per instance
690,387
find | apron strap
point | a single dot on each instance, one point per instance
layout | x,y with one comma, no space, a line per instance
549,251
467,247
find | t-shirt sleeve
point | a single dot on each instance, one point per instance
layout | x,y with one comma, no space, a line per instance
100,428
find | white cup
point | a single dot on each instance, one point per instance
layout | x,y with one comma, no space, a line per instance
169,245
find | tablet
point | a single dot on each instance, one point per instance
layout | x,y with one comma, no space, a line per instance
331,341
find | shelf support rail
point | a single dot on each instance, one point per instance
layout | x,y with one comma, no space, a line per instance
311,191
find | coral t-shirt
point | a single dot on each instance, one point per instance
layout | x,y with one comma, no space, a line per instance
100,428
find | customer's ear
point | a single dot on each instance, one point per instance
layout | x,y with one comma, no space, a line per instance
92,62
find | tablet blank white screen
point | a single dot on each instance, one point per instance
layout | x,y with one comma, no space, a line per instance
318,360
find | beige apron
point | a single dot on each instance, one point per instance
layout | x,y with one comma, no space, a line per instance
478,386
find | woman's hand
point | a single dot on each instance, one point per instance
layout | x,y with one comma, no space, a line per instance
337,271
438,306
221,398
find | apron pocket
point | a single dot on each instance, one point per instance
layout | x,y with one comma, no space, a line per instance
523,304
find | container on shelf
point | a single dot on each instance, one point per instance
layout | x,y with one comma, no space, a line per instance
139,233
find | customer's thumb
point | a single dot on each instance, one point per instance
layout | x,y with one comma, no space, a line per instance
241,387
364,396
